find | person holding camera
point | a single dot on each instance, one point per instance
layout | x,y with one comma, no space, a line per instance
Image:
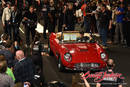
30,22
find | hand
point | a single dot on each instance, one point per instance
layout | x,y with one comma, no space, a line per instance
64,25
3,25
76,4
110,27
85,81
118,12
25,18
82,75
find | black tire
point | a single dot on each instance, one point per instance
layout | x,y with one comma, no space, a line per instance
60,65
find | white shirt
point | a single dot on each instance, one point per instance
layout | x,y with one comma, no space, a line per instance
6,15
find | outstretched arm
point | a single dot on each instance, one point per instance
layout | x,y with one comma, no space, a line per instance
98,85
85,81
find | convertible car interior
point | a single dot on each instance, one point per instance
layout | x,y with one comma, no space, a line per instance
68,36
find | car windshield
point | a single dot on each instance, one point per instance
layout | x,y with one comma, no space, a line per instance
73,37
70,37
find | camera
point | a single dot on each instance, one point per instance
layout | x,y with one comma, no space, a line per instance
29,23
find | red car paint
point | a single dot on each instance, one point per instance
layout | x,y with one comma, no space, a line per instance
80,52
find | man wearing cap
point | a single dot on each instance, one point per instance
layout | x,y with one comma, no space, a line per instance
6,19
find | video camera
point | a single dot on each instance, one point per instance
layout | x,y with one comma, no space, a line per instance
29,23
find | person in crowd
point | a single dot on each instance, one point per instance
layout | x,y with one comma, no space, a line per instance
38,6
78,11
53,18
20,4
46,13
127,27
110,81
4,38
106,81
124,2
5,80
30,2
119,24
8,70
15,24
30,21
84,79
76,80
87,15
7,52
112,30
27,84
82,38
105,23
98,9
93,7
23,69
61,10
110,64
69,18
37,50
6,17
4,2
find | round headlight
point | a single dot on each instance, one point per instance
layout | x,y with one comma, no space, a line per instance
68,57
103,55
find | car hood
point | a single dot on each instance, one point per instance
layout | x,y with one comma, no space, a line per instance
83,52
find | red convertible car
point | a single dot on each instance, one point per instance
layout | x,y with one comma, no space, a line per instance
75,51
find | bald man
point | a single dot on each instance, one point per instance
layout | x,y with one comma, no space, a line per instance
23,69
20,55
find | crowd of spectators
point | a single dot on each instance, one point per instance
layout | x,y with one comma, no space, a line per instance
108,18
16,69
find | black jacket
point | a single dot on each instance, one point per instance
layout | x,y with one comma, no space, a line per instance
31,18
69,18
24,70
16,17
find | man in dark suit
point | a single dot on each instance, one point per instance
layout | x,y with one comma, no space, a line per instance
15,24
30,18
23,69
